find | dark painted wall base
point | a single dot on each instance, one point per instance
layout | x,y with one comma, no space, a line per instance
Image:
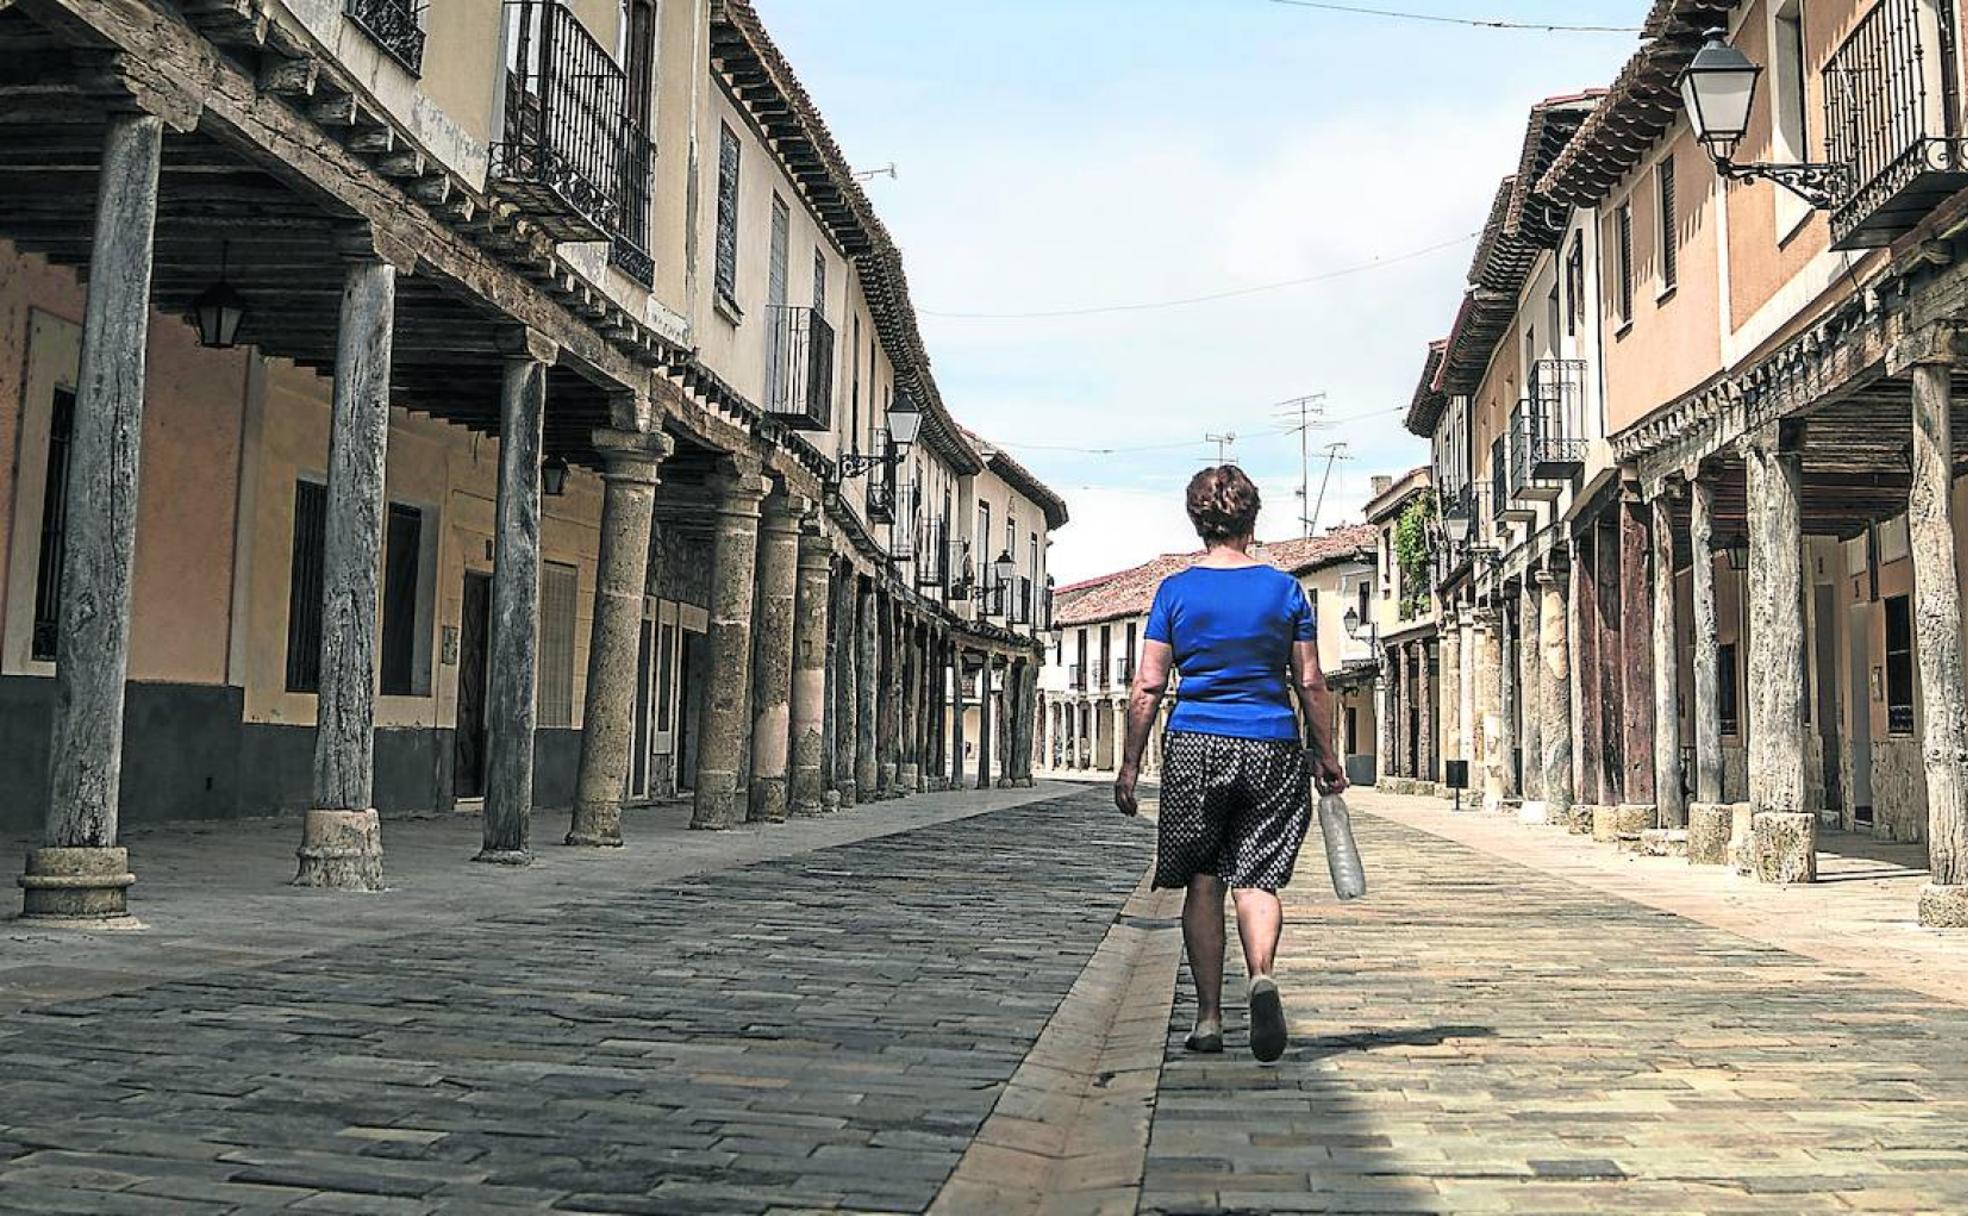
188,755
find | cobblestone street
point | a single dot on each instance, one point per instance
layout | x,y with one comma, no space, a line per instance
840,1029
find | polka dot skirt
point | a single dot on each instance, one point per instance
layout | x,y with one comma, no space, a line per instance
1236,808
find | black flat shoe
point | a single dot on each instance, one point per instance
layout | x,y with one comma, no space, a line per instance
1205,1044
1267,1019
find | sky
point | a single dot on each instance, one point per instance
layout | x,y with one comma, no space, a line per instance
1067,155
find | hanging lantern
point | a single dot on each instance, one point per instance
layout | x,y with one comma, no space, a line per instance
218,310
553,476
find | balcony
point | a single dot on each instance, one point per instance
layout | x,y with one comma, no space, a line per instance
957,572
566,99
1124,671
1018,596
628,247
1889,122
1508,507
799,367
1076,677
933,558
394,25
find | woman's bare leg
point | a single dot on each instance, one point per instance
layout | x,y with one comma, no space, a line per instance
1202,935
1260,920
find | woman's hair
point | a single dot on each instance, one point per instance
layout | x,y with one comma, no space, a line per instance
1223,504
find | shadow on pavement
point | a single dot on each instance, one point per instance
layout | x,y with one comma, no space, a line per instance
1367,1040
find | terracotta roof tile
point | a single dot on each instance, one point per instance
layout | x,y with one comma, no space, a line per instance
1129,592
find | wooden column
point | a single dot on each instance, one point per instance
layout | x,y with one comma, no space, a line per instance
984,779
1785,830
867,765
908,765
725,720
1423,749
631,462
512,681
956,716
82,872
1937,632
1393,713
1707,649
341,837
1666,637
1588,742
1636,658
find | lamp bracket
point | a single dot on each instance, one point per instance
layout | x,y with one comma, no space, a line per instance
858,464
1820,185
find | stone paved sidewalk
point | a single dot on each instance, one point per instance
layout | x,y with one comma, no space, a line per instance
1477,1036
819,1031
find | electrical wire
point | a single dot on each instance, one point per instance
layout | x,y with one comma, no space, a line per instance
1498,23
1099,309
1169,447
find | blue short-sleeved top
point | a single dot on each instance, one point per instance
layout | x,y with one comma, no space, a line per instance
1232,632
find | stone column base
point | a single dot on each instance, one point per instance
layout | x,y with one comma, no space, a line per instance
76,884
1664,842
885,782
1742,839
1583,817
1534,810
597,825
1786,846
938,785
809,808
1944,907
842,796
908,779
1710,825
342,850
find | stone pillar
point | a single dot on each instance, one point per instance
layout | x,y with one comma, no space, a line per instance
1488,629
1555,697
1427,742
830,684
341,837
847,684
1393,712
1937,633
908,765
1635,661
1449,721
957,717
778,562
726,717
1384,762
867,765
513,675
1588,738
1707,650
1530,698
1028,708
82,872
630,466
1468,719
811,636
1785,831
1671,806
984,723
935,698
885,700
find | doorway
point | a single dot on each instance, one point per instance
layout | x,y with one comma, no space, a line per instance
1825,644
1859,634
474,632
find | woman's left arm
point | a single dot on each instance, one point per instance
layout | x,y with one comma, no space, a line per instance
1144,702
1316,700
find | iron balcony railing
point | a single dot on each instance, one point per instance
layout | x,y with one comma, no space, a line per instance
1018,607
933,558
799,368
1499,476
1076,677
1890,128
1555,419
628,246
958,580
1124,671
565,111
396,25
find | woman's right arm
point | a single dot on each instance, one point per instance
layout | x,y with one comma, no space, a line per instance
1316,700
1144,702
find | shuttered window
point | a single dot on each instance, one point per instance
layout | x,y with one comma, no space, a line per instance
1575,285
403,549
1670,251
54,528
1899,665
1725,688
1624,239
727,215
559,587
819,283
304,587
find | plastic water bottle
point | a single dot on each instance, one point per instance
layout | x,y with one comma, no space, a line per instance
1349,877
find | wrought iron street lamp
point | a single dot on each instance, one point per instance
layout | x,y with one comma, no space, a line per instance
553,476
904,424
1455,524
218,310
1352,622
1718,88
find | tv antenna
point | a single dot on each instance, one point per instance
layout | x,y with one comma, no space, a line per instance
868,175
1223,443
1335,451
1299,416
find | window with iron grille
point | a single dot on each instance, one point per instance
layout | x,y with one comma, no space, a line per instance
1624,241
1670,249
727,216
304,579
1575,285
403,566
54,528
1899,665
1725,688
559,586
395,25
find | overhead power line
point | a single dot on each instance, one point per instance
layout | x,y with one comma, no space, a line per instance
1324,276
1495,23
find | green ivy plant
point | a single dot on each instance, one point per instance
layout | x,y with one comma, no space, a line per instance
1411,554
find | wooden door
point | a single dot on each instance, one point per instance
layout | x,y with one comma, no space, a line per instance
474,633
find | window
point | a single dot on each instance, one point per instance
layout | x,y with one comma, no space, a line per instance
665,662
1080,673
984,556
1106,655
1575,285
406,653
1623,239
1670,252
727,217
1725,687
1366,606
54,528
854,393
1788,92
1899,665
819,282
559,586
304,578
1127,660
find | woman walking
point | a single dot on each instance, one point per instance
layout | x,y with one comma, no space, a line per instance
1235,765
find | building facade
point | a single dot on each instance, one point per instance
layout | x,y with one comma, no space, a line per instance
1098,631
469,405
1694,449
